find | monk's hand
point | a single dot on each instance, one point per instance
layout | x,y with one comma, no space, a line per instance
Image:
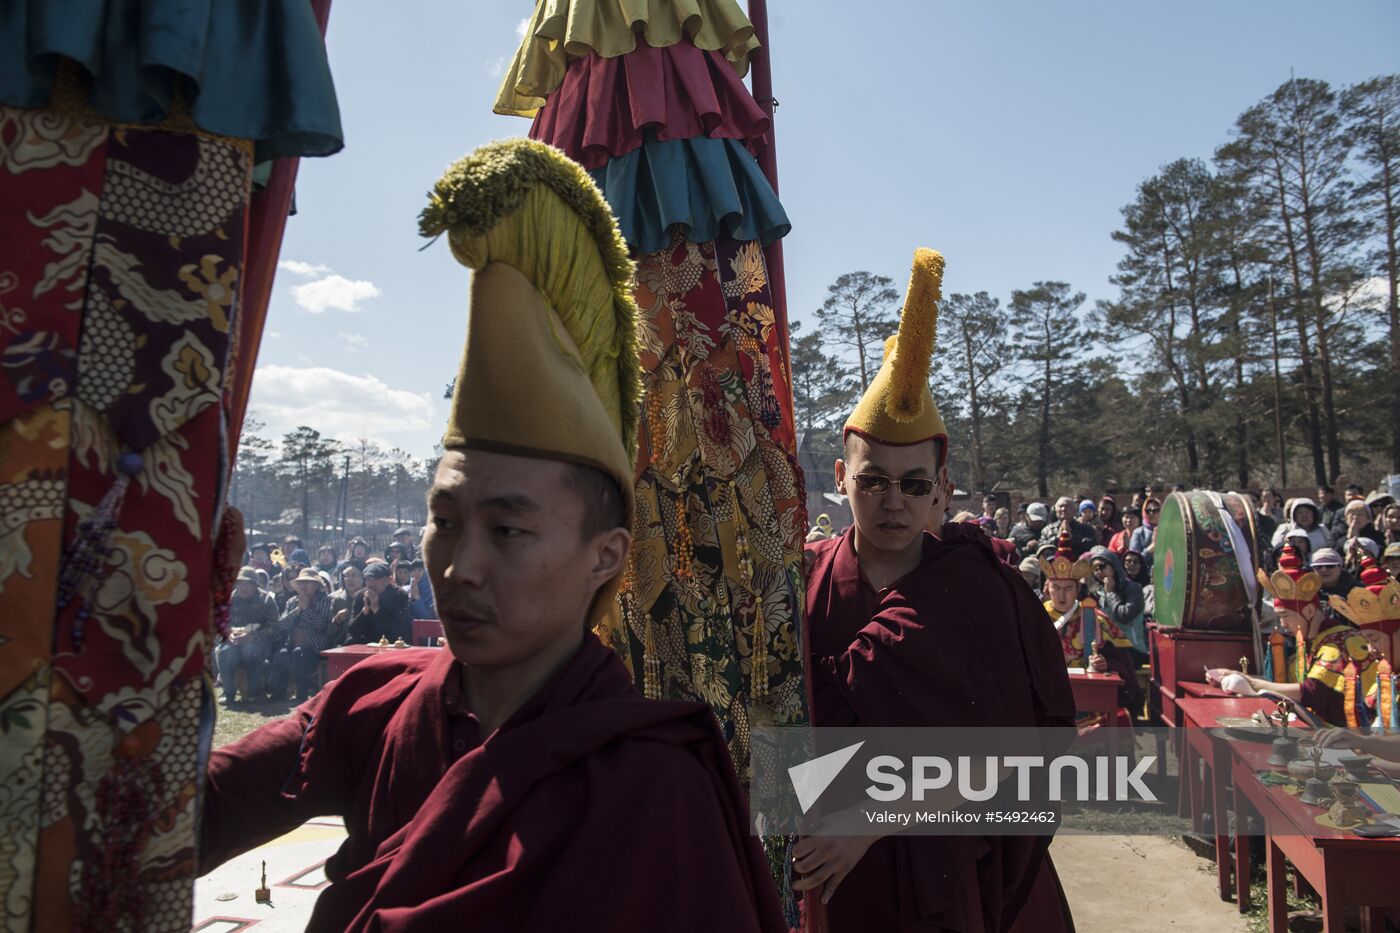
1338,738
824,861
1098,664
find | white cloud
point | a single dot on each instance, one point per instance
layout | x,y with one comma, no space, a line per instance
498,67
333,293
336,403
353,342
297,267
522,27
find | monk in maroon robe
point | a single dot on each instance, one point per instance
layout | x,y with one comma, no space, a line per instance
906,629
517,780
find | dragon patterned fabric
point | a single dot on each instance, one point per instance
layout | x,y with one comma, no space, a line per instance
711,599
124,247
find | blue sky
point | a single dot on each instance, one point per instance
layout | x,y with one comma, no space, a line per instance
1006,134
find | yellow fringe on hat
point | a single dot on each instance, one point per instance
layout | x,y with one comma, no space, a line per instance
918,329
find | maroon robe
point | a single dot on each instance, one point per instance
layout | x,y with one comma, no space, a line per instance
590,808
961,641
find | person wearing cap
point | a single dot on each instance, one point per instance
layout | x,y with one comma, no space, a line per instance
1329,646
347,600
303,630
252,620
1089,515
1030,572
394,553
1025,535
384,614
1357,525
407,539
517,779
881,653
1391,557
1082,536
298,559
1335,579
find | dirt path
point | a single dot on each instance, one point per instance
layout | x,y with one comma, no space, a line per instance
1125,884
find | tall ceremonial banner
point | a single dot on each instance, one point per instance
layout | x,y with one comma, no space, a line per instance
129,134
649,97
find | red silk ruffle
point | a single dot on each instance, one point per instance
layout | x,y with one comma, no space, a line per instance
604,105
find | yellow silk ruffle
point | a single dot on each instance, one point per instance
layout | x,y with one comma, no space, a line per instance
561,30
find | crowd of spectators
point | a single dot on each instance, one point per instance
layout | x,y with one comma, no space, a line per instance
286,609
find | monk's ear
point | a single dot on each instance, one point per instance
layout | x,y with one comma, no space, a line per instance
840,475
610,552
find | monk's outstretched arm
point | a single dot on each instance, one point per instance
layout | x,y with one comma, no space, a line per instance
244,803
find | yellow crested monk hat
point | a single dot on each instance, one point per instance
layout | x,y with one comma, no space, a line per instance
898,407
550,367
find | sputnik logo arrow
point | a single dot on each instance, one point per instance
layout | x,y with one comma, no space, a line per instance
811,778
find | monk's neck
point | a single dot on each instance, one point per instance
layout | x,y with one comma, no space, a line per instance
882,568
494,694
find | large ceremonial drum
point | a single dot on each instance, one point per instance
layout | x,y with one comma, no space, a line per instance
1203,562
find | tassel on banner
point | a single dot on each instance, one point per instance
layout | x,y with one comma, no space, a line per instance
1385,694
84,562
1349,680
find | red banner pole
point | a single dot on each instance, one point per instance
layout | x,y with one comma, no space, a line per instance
761,65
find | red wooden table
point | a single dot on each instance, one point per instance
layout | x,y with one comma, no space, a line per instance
1098,693
1203,749
1346,870
339,660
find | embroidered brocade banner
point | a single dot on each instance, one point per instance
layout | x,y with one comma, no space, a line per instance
719,525
117,287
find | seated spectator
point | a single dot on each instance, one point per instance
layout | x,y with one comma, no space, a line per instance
1110,521
298,560
1120,598
1030,572
395,552
282,590
260,557
346,603
401,573
1089,515
1082,537
1136,568
1003,522
252,624
304,626
356,554
1357,550
1336,581
385,611
420,593
1391,558
1302,515
1026,535
1271,504
1357,523
1390,525
407,538
326,562
1132,520
1144,538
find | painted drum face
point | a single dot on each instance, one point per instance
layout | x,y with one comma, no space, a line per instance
1197,575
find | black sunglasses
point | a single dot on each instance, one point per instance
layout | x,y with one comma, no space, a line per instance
911,486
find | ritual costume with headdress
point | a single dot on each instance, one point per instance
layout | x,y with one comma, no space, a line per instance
147,154
1374,607
1333,663
1111,642
591,807
959,641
